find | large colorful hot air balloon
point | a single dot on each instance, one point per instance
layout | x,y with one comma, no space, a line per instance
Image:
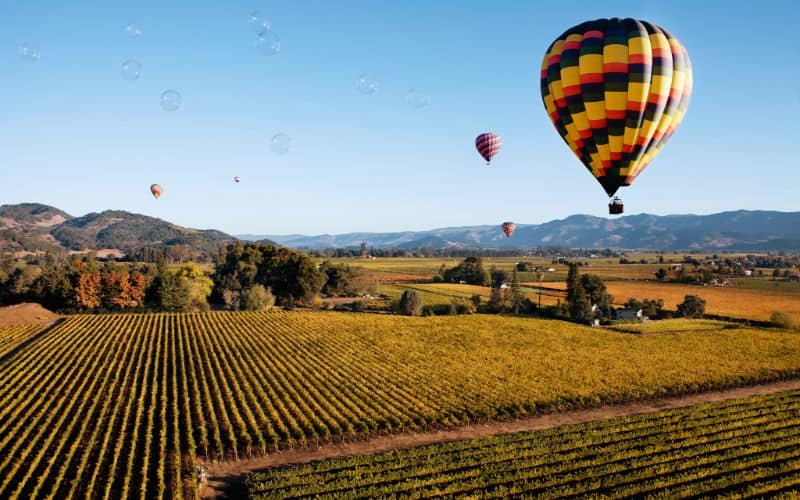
616,90
237,179
488,145
508,228
156,190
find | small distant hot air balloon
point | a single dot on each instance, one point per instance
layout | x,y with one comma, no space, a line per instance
156,190
488,145
616,90
237,179
508,228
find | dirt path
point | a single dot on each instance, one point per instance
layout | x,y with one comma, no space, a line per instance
225,476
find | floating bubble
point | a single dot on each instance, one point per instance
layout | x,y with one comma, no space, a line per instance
29,52
259,22
417,100
131,70
279,144
268,43
170,100
365,85
133,30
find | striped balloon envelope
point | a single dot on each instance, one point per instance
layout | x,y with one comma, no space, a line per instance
488,145
156,190
508,228
616,90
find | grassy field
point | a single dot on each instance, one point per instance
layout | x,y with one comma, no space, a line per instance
740,448
120,405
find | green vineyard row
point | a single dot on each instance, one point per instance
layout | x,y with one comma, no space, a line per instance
740,448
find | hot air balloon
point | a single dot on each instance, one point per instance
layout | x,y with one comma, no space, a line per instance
508,228
237,179
156,190
616,90
488,145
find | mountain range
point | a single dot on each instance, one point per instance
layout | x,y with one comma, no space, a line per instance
737,230
34,227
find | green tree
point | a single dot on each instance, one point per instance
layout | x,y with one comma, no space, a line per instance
496,301
410,303
597,293
661,274
517,298
573,282
692,306
580,309
498,276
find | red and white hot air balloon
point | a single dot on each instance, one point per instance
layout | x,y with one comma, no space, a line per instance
156,190
508,228
488,145
237,179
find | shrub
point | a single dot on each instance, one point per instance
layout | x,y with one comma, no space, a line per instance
693,306
359,306
410,303
784,320
257,298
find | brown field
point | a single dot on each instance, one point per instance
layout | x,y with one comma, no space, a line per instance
732,302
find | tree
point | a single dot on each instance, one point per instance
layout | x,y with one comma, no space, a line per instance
410,303
573,282
661,274
257,298
597,293
470,270
87,291
692,306
496,301
476,300
498,277
342,280
364,251
517,298
185,289
580,309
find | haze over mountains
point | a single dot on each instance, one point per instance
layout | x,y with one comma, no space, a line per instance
31,227
738,230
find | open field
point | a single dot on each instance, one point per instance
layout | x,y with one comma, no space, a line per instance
744,447
121,405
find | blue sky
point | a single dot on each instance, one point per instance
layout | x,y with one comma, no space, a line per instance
76,135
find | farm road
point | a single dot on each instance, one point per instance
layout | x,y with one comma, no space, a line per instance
224,478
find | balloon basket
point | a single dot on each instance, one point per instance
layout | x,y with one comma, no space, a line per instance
615,207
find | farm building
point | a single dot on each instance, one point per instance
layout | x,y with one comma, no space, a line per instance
637,314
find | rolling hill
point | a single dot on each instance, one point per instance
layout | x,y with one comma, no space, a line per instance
739,230
32,227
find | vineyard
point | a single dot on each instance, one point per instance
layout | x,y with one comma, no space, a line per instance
122,406
12,336
740,448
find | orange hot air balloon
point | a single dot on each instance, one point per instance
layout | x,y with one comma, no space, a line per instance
508,228
156,190
237,179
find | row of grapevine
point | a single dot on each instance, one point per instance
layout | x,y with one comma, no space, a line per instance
12,336
737,448
123,406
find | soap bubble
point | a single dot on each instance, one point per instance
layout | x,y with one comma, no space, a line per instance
29,52
259,22
417,100
268,43
170,100
131,70
133,30
279,144
365,85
